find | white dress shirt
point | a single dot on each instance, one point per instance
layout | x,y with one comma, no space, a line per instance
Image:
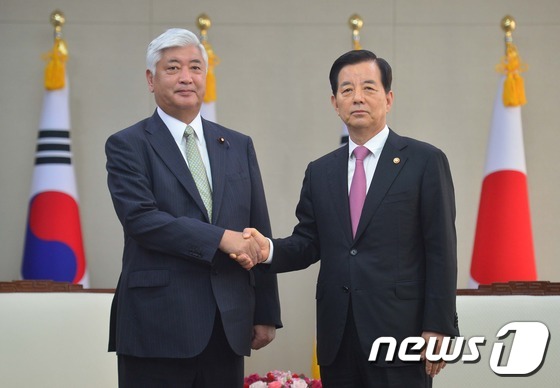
177,129
375,146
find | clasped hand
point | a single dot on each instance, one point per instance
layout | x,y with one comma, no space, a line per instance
248,248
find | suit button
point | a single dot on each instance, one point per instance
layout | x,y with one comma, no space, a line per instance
354,252
345,289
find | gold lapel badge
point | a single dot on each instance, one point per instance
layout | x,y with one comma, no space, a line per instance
396,160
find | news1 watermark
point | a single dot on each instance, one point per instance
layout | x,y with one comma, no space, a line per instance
527,350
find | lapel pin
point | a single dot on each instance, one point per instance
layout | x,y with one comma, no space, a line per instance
222,140
396,160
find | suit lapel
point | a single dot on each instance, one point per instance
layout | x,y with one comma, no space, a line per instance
337,176
164,145
391,162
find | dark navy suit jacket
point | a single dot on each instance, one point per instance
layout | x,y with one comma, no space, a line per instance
173,277
400,271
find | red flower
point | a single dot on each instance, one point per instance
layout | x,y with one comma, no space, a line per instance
281,379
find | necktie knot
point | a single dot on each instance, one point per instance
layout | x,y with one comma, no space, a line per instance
360,152
189,131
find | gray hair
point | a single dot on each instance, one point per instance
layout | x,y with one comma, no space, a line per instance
174,37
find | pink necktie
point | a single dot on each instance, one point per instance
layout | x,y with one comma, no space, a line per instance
358,188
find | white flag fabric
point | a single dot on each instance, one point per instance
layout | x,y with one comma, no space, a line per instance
54,248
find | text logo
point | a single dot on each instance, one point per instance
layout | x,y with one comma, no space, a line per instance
526,354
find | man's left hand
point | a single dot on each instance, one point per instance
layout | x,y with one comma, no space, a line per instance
433,368
262,336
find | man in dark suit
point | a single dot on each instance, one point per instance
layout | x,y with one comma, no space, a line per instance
184,314
388,261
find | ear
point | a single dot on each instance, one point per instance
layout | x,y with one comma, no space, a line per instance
334,103
150,79
390,98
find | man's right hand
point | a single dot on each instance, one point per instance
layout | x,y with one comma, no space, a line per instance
245,250
253,234
263,242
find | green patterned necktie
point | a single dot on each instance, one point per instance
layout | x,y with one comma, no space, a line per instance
198,170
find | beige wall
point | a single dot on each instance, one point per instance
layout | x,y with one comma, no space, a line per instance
273,85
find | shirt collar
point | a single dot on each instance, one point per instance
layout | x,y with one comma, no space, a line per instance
374,145
177,127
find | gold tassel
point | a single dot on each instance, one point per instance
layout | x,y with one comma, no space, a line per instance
56,68
213,60
315,370
511,66
210,94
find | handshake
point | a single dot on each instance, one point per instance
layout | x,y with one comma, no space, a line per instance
248,248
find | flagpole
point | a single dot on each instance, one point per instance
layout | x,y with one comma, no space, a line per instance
356,23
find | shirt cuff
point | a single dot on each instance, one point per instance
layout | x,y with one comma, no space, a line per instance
270,252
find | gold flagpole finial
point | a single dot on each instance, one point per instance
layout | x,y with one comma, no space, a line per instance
55,70
508,25
57,19
356,23
204,23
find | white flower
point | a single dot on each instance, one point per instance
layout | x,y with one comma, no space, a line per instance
299,383
258,384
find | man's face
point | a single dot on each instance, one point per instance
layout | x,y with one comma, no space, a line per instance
361,101
179,82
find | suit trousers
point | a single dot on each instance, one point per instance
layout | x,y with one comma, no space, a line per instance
351,368
216,367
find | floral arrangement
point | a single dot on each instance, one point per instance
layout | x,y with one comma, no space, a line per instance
280,379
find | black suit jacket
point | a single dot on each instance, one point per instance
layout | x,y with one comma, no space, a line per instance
173,277
400,271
